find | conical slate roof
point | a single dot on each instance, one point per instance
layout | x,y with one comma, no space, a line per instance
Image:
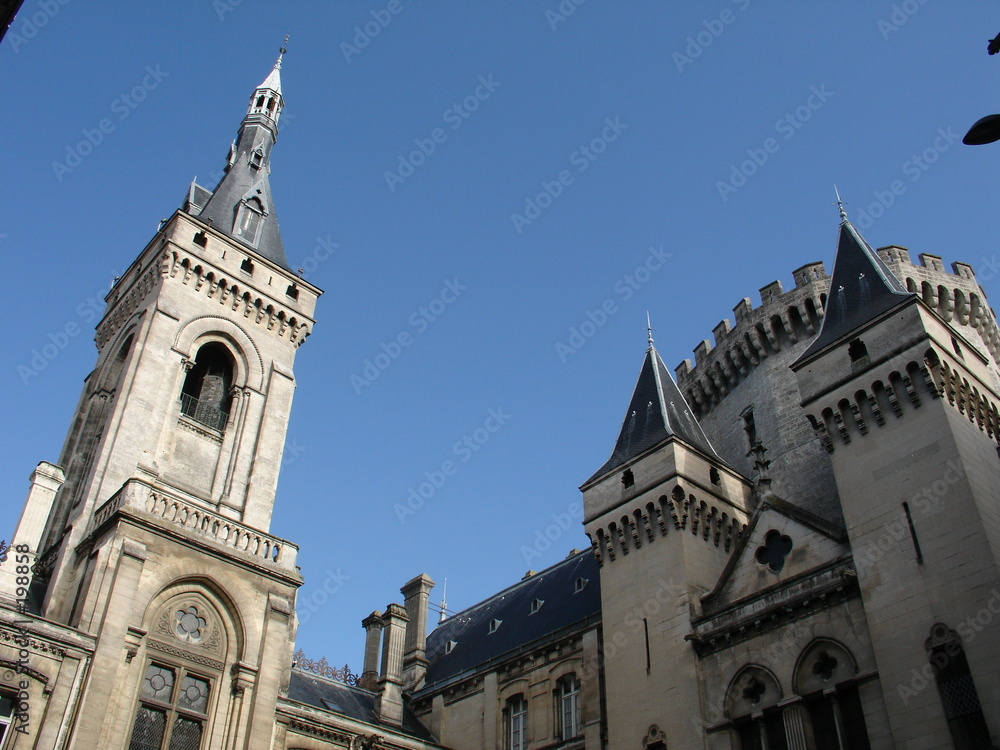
862,288
657,412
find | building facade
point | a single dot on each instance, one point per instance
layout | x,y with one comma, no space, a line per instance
796,544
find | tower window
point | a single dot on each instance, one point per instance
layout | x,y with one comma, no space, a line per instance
956,347
628,478
713,475
957,690
857,350
173,709
292,291
750,427
249,220
256,158
247,266
205,397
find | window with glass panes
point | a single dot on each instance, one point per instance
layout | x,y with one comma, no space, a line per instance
569,706
7,701
173,709
517,723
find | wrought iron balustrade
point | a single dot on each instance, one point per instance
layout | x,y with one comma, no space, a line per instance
203,413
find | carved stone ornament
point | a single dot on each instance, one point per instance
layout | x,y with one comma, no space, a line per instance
191,622
653,735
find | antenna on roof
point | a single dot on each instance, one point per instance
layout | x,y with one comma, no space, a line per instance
444,602
840,204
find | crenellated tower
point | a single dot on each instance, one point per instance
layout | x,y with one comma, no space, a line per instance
151,534
902,393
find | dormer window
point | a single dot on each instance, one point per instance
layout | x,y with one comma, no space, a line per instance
536,605
249,220
450,646
256,159
580,584
494,625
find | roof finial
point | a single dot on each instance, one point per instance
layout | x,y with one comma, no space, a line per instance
281,53
649,330
840,204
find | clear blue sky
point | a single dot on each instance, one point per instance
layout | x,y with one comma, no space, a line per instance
865,94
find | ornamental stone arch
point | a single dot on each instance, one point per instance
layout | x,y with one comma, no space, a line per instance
249,371
822,665
752,690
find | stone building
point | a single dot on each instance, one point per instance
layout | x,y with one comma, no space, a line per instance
796,544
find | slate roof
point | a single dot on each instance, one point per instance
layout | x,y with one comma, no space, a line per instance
347,700
242,181
562,608
862,288
657,412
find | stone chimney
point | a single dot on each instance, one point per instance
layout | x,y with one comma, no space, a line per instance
416,594
373,635
389,706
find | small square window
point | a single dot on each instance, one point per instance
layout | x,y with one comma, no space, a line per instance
292,291
246,266
628,478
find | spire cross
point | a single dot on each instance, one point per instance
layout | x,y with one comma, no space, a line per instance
649,330
840,204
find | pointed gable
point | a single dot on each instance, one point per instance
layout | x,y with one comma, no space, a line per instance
862,288
657,412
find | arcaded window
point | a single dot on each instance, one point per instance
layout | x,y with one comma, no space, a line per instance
173,709
516,715
570,722
205,397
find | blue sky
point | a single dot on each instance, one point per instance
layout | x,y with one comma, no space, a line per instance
487,178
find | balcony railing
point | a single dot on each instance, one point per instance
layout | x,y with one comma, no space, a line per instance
203,413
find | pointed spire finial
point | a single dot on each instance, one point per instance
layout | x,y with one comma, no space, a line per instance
281,53
840,204
649,330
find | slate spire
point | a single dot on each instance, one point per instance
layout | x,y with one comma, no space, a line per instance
241,205
861,289
656,413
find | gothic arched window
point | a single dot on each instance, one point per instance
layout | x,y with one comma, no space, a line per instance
205,397
958,692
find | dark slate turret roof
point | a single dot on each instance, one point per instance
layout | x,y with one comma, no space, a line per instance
657,412
246,176
563,607
861,289
347,700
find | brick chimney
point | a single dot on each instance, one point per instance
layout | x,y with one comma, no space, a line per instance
373,635
389,706
416,594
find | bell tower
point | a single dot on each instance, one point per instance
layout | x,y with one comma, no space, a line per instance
155,535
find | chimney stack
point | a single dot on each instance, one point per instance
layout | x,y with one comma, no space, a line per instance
389,706
373,635
416,595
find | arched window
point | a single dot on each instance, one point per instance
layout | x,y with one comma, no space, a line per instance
249,220
516,723
824,677
568,707
173,709
957,690
752,705
205,397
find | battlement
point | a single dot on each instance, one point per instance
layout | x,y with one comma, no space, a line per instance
784,319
